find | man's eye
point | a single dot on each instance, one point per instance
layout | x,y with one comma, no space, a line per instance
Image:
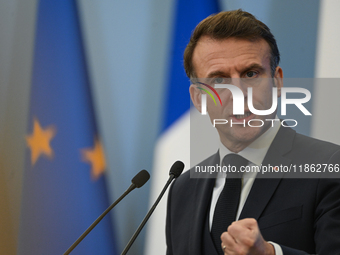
218,80
251,74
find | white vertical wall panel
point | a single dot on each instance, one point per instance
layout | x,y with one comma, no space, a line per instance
325,121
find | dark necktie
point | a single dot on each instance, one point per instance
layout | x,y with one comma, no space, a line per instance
228,201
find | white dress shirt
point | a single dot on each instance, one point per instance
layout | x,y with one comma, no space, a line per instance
255,154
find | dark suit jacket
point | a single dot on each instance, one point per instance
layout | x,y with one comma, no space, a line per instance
301,215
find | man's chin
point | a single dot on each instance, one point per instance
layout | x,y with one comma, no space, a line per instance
247,137
245,134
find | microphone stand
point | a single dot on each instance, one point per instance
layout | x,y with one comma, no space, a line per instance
88,230
139,229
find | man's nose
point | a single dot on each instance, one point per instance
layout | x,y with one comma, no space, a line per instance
238,82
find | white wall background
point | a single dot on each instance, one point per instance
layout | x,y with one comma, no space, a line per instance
325,123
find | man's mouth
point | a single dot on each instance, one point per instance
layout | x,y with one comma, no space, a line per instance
239,117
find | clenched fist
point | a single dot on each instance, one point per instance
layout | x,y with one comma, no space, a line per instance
244,237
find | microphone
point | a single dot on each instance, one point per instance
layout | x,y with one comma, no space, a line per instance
138,181
175,171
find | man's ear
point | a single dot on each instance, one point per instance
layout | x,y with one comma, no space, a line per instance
196,96
278,80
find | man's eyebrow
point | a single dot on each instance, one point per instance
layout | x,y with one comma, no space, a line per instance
217,73
245,69
254,66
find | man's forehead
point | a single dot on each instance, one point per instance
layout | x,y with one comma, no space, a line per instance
207,42
214,50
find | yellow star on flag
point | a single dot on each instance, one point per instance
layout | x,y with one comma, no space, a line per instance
95,156
39,141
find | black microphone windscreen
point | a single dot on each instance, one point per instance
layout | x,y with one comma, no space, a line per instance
141,178
177,169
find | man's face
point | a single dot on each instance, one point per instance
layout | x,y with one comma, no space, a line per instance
244,64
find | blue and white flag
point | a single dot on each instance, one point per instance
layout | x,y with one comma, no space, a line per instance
174,141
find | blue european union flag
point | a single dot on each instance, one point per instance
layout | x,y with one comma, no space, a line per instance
64,186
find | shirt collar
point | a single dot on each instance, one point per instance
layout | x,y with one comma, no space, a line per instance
257,150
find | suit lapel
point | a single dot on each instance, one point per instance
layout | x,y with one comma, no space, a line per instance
202,198
265,185
258,198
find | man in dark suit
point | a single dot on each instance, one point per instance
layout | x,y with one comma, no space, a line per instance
274,213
